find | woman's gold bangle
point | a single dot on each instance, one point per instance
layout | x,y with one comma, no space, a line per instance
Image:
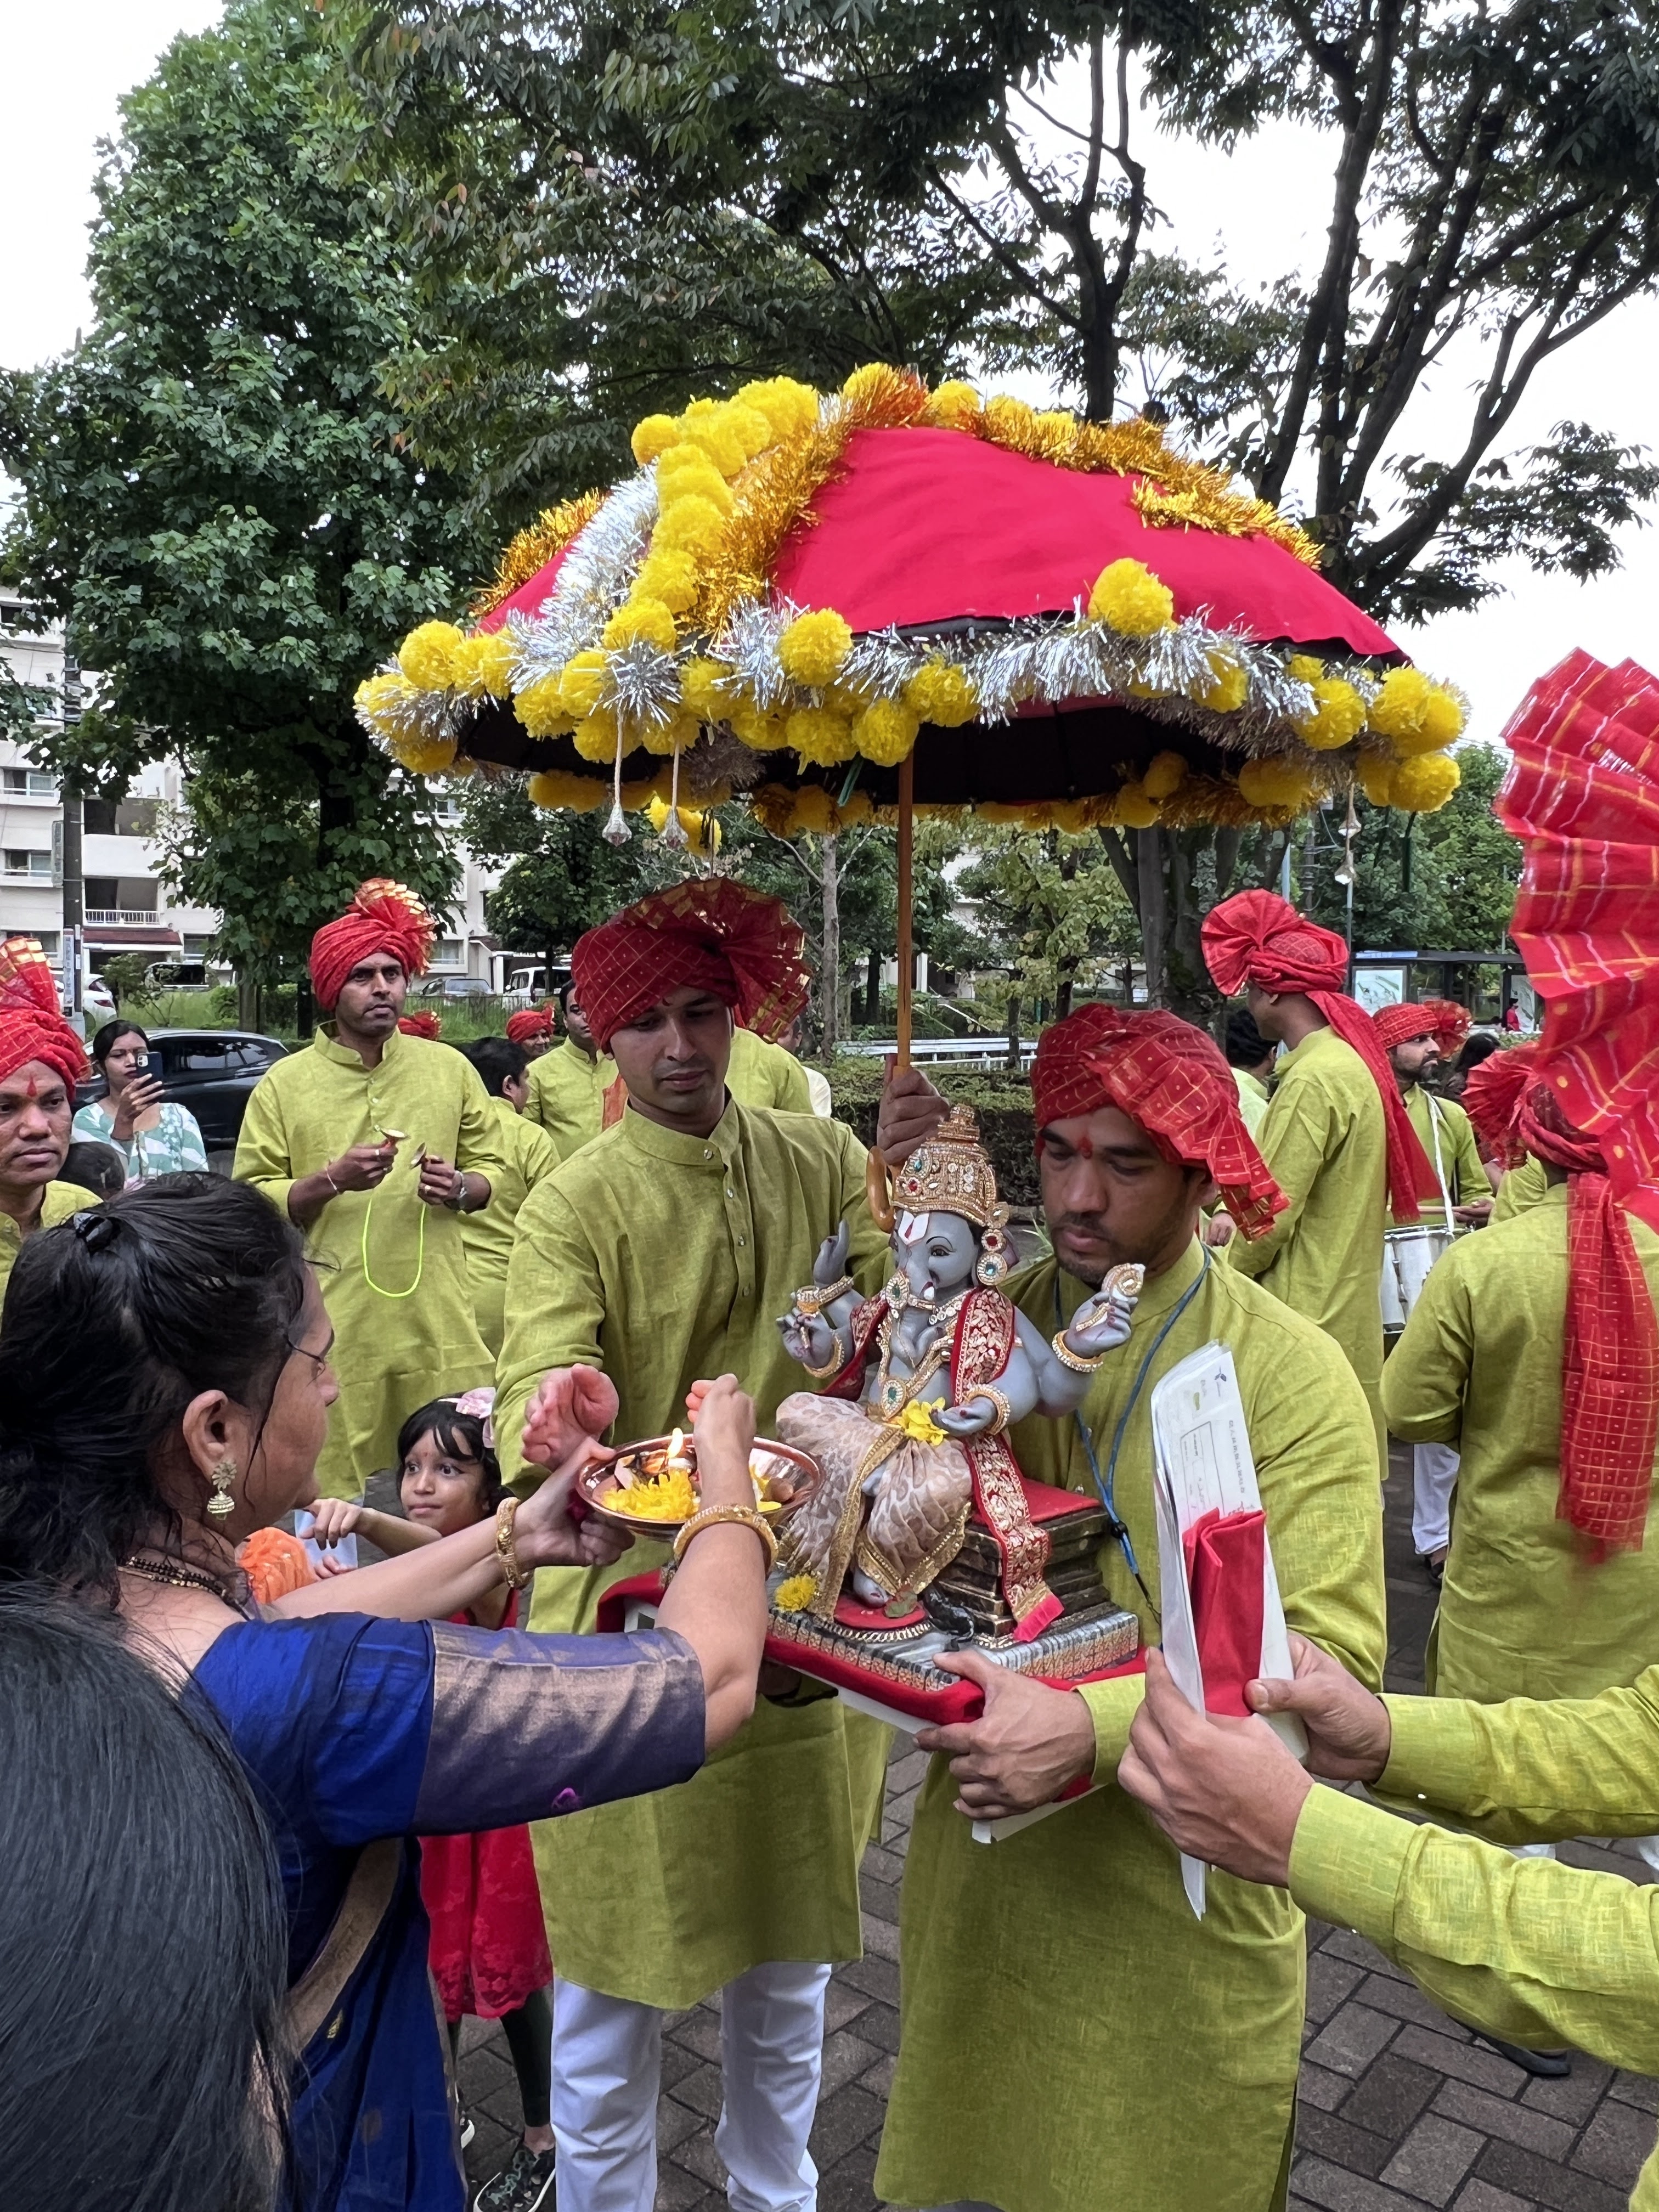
1075,1360
745,1516
518,1577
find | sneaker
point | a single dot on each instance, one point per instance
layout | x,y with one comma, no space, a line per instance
526,2184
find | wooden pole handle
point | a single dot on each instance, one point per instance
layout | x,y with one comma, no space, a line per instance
907,785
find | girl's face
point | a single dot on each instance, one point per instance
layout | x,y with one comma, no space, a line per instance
442,1490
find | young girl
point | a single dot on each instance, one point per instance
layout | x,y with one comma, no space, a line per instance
489,1954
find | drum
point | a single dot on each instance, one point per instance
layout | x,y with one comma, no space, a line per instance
1408,1256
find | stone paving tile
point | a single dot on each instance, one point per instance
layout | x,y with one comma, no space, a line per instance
1402,2109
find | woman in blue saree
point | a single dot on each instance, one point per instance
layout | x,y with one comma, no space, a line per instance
164,1391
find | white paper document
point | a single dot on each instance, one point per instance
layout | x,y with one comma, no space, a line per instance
1202,1463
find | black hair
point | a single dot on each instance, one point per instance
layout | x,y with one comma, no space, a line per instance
498,1060
95,1166
1478,1046
563,991
112,1322
105,1038
143,1938
461,1435
1246,1046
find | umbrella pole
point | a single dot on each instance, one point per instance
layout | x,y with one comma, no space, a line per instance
907,784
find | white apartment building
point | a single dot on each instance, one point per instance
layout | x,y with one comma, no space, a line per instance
128,908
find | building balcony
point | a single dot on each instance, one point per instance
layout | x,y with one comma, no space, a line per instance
121,916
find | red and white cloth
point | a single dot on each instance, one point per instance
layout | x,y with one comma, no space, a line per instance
1442,1019
32,1026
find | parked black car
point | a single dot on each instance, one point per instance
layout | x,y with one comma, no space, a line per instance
210,1071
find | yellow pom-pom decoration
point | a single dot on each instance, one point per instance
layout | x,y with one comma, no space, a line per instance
794,1594
429,655
954,406
812,649
1422,785
1010,422
1376,773
581,681
557,787
691,819
1135,807
1131,600
541,709
377,698
788,406
941,694
1166,774
816,811
640,622
424,755
1305,667
885,732
671,578
763,732
718,440
690,526
1439,723
1231,686
888,397
702,693
822,737
595,738
688,473
1338,717
489,658
667,738
653,436
748,427
1401,701
1278,783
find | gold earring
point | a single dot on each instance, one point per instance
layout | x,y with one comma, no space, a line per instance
223,1473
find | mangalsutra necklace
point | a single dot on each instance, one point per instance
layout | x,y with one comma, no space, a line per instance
178,1574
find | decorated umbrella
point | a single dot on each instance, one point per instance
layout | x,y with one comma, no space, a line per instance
890,600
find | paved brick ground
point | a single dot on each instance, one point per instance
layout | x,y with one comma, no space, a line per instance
1400,2108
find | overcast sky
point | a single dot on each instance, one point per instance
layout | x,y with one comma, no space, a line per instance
1265,209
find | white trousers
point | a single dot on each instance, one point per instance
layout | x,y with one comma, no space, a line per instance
1434,1477
607,2070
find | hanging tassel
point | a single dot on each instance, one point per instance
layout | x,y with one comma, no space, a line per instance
616,830
673,830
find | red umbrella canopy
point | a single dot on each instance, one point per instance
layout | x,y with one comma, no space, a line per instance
1058,622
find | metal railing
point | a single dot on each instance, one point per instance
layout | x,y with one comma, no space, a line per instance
959,1052
109,917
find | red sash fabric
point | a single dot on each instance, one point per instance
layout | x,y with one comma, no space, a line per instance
1225,1563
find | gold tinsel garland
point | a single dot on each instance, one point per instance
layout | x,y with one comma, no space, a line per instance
554,528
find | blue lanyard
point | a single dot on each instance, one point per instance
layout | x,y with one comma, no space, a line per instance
1106,1484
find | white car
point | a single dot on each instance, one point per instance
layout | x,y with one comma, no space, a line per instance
97,999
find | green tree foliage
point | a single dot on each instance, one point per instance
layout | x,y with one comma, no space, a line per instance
1441,882
560,877
217,500
1050,907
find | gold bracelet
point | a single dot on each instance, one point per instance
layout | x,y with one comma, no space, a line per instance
1074,1360
811,1299
1005,1411
836,1360
710,1517
518,1577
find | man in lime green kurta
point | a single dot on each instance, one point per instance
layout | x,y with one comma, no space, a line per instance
382,1215
1520,1188
1323,1138
567,1085
526,1156
1523,1611
1073,2037
663,1252
1525,1951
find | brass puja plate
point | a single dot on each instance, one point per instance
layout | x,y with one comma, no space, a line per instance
783,1478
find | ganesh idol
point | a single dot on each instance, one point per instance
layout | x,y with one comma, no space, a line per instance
920,1385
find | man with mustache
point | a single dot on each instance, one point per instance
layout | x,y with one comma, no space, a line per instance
1073,2036
660,1253
41,1060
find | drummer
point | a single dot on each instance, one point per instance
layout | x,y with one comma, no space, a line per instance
661,1253
1419,1040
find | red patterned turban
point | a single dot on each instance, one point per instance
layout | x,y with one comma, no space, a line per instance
1171,1080
1442,1019
1582,796
1256,937
431,1026
1491,1097
530,1022
31,1027
711,933
383,917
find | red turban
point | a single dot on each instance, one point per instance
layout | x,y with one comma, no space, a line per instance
1171,1080
531,1022
383,917
32,1026
1442,1019
1256,937
709,933
1491,1096
429,1026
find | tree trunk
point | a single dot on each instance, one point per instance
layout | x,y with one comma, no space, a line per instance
872,988
1013,1030
248,1003
1154,906
829,963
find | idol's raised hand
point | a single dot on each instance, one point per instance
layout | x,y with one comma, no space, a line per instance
568,1408
830,1266
1101,1323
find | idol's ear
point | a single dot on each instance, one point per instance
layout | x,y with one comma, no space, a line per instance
878,1190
